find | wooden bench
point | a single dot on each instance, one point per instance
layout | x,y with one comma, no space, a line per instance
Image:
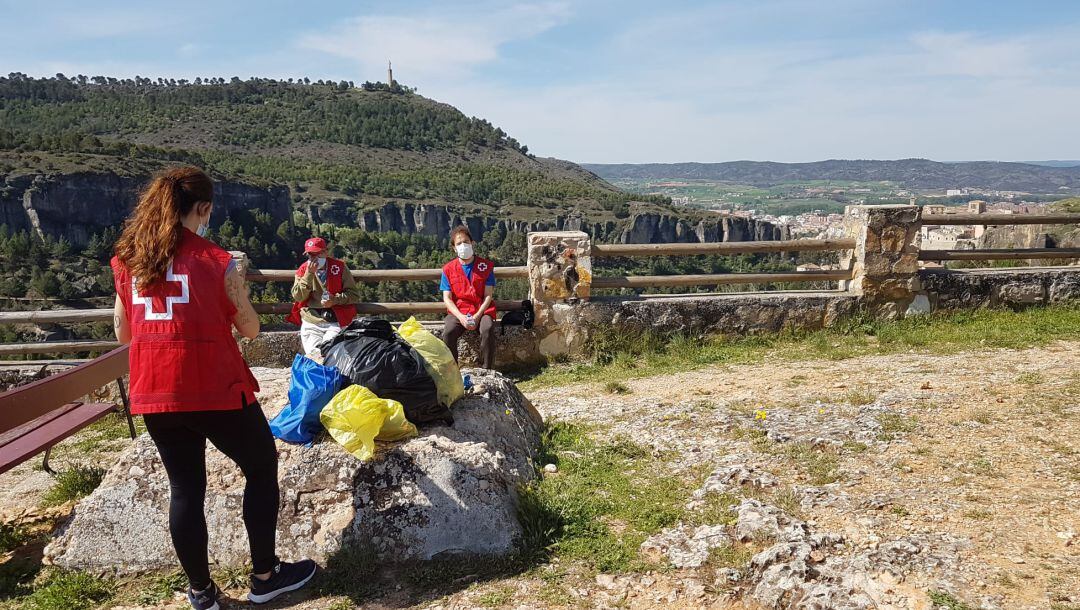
38,415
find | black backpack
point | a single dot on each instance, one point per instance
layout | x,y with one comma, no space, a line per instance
523,317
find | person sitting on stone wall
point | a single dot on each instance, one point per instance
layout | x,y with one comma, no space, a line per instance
468,289
324,295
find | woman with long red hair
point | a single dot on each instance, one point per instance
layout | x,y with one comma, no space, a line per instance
178,298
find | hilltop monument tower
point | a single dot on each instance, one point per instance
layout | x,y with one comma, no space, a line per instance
389,74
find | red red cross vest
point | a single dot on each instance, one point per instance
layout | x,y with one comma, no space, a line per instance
183,356
335,270
469,291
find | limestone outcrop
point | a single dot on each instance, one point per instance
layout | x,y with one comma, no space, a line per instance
451,491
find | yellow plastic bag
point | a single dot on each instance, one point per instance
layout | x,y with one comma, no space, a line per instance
396,427
354,417
438,360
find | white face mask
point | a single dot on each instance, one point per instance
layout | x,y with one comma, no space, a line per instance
321,262
464,251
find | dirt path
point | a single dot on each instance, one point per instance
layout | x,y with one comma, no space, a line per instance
978,453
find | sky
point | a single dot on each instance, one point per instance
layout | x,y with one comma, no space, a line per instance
633,81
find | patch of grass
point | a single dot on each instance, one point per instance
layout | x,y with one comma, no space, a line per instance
893,424
716,510
946,601
17,576
232,577
101,434
653,354
64,590
978,514
1030,378
72,484
757,437
13,535
985,467
731,556
854,447
350,572
788,501
496,598
342,604
858,398
819,464
616,387
606,499
983,417
161,587
900,511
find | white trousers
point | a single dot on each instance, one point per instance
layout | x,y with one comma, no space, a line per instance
314,334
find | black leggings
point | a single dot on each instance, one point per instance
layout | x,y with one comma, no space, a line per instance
244,436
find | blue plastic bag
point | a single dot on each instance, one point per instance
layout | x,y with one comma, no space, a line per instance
311,387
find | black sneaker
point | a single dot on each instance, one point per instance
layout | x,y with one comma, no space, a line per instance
284,578
205,600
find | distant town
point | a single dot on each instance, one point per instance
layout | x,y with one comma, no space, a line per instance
815,209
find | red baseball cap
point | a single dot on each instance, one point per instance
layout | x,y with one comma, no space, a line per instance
315,244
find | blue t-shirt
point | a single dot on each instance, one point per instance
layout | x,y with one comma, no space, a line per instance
444,283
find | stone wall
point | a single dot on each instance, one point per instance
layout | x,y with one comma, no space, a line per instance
1014,288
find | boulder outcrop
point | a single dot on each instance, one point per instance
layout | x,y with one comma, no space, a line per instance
451,491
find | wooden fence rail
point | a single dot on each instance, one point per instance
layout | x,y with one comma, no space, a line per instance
379,275
1000,219
716,279
999,254
730,247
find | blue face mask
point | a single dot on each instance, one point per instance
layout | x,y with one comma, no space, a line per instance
203,230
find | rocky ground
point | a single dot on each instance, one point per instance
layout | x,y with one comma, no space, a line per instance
903,481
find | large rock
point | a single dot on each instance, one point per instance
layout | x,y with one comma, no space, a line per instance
451,491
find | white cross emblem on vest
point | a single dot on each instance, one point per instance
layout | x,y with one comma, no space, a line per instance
148,302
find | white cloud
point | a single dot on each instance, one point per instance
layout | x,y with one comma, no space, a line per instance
945,96
964,54
435,44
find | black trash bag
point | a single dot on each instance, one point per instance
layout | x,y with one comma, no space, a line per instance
371,354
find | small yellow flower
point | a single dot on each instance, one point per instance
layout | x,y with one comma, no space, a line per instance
821,411
760,414
508,411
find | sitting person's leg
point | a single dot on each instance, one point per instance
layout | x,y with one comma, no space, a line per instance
311,334
452,331
332,330
487,342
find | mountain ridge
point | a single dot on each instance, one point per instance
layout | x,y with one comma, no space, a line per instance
911,173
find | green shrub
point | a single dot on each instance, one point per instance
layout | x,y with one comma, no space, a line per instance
72,484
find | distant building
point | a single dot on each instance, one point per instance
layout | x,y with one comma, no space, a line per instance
953,192
977,206
389,74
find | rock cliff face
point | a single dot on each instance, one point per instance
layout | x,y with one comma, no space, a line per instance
449,492
76,206
650,227
1031,236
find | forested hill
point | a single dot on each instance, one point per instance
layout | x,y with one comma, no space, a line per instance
325,141
910,173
